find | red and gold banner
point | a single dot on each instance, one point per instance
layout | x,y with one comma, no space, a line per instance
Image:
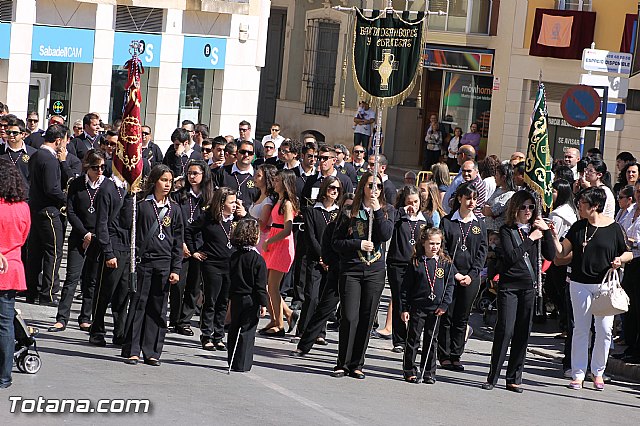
127,159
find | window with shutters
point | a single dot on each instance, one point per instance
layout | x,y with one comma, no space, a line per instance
582,5
464,16
320,58
139,19
6,10
553,91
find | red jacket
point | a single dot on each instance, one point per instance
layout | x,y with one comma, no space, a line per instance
15,221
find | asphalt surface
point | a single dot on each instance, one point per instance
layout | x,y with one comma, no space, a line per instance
192,387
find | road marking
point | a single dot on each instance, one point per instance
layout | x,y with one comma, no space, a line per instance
304,401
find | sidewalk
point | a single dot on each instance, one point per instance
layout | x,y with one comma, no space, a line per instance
543,343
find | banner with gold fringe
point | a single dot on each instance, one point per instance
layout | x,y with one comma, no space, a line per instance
538,161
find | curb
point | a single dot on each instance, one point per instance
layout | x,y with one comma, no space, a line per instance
615,367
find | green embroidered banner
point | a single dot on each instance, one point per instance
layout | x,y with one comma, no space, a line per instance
538,162
386,56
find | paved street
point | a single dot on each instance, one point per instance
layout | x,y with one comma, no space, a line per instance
192,387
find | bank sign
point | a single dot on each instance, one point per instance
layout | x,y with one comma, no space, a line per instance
5,36
58,44
148,48
206,53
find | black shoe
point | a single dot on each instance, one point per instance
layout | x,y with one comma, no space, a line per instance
54,329
152,362
429,380
220,346
132,361
298,353
97,341
321,341
412,379
49,302
268,333
457,367
487,386
184,330
31,300
357,374
118,341
207,344
333,326
621,355
295,316
296,306
514,388
631,359
338,372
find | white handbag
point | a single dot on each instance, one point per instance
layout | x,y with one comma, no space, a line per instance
611,298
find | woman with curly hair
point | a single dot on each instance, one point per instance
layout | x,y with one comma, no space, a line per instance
15,222
261,208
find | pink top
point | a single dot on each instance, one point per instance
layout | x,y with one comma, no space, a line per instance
15,221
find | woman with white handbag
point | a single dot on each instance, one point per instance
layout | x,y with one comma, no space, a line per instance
596,244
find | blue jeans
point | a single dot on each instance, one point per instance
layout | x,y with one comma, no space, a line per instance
7,338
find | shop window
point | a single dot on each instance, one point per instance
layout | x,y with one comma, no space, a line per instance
582,5
117,101
320,58
6,10
145,19
60,91
196,95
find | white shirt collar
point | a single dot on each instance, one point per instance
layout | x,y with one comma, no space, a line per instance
417,217
235,169
22,148
456,216
158,204
118,182
227,218
334,174
524,226
328,210
51,150
385,178
340,164
194,194
286,166
187,152
303,173
91,184
435,256
356,165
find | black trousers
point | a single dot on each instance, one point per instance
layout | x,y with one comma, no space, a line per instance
515,312
112,287
453,325
631,323
554,284
184,294
421,323
88,278
242,332
214,307
295,279
566,361
316,278
395,275
359,297
46,242
147,318
327,304
431,157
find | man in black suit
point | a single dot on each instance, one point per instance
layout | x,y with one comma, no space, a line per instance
16,150
342,166
35,139
178,157
151,152
244,128
45,200
89,139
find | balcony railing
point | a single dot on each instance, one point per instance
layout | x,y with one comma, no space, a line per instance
463,16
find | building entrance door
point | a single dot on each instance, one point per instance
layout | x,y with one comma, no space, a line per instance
40,94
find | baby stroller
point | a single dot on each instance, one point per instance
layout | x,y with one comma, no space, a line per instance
26,361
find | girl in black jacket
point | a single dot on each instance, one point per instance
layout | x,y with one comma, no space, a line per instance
361,271
409,222
159,238
427,290
192,197
516,292
316,220
466,236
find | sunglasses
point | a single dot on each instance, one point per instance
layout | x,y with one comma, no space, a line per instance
243,130
269,147
378,185
245,152
326,157
13,132
530,207
101,167
79,128
143,133
275,130
194,173
358,151
312,156
332,187
207,150
338,152
284,151
32,120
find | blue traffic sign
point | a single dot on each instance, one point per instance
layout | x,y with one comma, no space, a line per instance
616,108
580,105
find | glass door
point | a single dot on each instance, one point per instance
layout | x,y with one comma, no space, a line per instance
40,94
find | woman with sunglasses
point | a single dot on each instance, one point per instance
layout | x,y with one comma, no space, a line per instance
192,198
362,271
316,220
523,230
466,242
83,247
213,251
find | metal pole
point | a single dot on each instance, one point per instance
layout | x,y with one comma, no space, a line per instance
411,12
133,285
376,151
603,121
